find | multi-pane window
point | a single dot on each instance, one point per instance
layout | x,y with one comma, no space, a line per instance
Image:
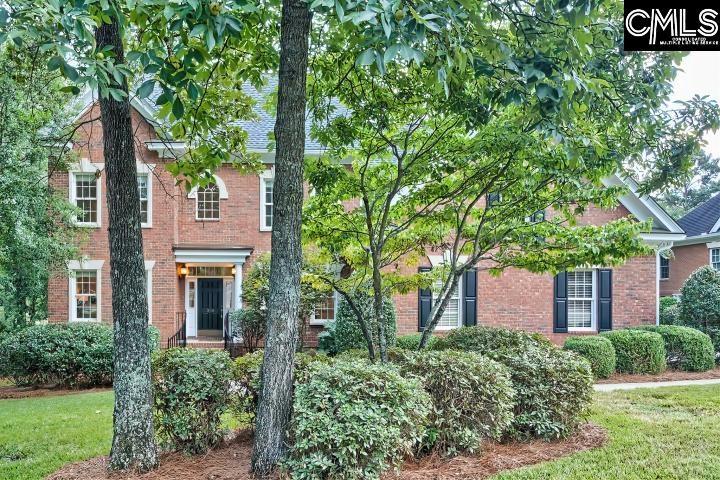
537,217
86,197
664,268
325,310
715,258
493,198
86,304
580,299
210,271
142,181
451,316
267,206
208,203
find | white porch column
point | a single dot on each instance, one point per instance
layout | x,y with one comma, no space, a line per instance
237,286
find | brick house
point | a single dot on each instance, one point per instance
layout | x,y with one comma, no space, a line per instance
701,247
199,246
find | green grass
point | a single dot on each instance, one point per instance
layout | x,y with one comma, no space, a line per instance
668,433
39,435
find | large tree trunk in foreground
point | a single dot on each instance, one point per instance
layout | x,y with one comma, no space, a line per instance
275,406
133,445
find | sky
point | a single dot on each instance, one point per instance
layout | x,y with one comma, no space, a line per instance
701,75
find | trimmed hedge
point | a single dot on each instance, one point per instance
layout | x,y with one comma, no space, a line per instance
638,351
472,398
190,390
553,388
412,340
700,299
346,331
353,420
597,350
67,354
685,348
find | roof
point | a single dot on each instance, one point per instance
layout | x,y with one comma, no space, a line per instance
703,219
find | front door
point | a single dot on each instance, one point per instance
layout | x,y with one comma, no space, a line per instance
210,305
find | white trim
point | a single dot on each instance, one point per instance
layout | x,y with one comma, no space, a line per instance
657,287
702,238
86,167
315,322
460,322
264,177
593,303
149,265
715,227
710,252
147,170
713,244
84,264
217,181
196,256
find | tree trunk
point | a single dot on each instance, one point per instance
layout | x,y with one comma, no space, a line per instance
378,309
275,406
133,445
437,310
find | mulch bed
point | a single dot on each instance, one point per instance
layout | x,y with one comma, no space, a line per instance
27,392
232,461
666,376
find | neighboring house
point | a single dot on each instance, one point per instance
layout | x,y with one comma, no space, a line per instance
200,245
701,246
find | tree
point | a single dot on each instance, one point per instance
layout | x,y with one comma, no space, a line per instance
88,42
36,232
700,184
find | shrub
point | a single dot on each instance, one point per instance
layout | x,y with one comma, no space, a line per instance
411,342
190,389
66,354
553,388
353,419
638,351
491,340
472,398
669,310
685,348
153,338
700,301
326,339
246,379
595,349
249,326
347,333
714,334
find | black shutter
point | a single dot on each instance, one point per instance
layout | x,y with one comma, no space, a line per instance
560,303
424,303
469,297
604,300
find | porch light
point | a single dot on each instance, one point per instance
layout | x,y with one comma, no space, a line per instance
233,270
183,271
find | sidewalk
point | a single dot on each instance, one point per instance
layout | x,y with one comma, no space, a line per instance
609,387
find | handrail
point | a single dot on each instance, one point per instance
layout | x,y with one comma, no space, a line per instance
180,338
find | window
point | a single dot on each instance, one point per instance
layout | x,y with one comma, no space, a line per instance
537,217
325,310
143,181
492,199
581,300
715,258
664,268
86,198
208,203
266,201
86,295
451,316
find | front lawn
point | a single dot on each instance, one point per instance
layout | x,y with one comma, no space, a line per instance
655,434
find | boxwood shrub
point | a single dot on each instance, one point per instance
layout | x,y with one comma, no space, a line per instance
553,388
353,420
412,340
472,398
638,351
685,348
346,332
190,389
595,349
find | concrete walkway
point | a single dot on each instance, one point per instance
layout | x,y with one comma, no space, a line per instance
609,387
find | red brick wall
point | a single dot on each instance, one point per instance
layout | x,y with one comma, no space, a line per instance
687,259
516,299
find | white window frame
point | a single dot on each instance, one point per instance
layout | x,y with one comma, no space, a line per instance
223,195
85,167
267,175
460,308
712,264
593,303
660,268
146,170
314,321
84,265
197,208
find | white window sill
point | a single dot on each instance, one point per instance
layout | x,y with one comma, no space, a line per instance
446,328
146,225
87,224
84,320
266,229
319,323
583,330
207,219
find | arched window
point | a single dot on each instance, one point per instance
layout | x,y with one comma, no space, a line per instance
208,203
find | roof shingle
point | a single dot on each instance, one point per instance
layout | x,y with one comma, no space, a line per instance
702,218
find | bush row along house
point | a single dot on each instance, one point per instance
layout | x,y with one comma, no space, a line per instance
701,247
200,244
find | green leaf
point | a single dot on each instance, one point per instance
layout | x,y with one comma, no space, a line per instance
178,109
146,89
55,62
365,58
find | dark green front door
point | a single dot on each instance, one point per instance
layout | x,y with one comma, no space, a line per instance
210,303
